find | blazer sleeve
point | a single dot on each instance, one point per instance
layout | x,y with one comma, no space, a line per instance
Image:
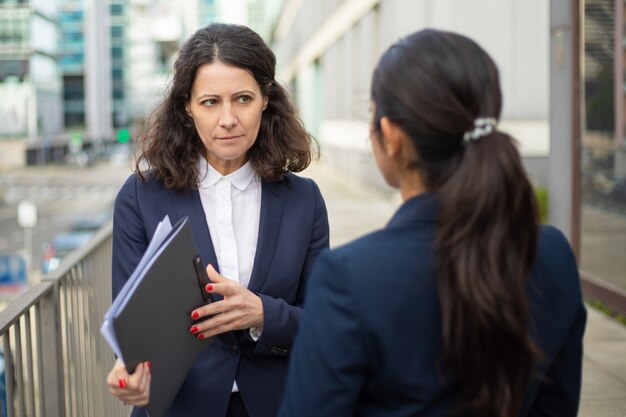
129,237
329,362
281,319
559,393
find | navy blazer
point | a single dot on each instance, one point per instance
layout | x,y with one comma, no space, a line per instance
293,230
369,339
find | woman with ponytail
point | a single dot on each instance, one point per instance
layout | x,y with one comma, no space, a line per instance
463,304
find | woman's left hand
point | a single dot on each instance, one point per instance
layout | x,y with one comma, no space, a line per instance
239,310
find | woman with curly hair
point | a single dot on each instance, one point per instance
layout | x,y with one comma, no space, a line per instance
222,148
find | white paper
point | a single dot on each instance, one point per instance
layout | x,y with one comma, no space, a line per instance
160,234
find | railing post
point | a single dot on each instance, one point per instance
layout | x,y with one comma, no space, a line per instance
51,355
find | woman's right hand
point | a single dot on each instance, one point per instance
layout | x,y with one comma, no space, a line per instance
131,389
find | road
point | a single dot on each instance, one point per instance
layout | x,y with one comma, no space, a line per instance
61,195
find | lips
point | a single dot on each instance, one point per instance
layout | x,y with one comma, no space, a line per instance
229,137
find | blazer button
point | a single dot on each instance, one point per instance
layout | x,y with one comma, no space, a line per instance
277,350
234,350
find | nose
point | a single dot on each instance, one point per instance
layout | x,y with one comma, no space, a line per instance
227,119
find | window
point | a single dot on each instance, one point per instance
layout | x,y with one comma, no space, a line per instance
117,31
117,10
603,146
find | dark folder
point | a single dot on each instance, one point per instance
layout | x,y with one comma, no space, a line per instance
154,323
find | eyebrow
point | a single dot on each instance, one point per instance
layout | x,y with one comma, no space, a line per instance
238,93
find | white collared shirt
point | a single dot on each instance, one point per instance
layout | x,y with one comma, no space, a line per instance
232,207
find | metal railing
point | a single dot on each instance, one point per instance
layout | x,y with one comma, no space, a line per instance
56,362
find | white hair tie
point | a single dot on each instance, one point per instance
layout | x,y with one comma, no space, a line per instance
482,127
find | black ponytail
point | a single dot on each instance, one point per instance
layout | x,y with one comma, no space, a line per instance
486,241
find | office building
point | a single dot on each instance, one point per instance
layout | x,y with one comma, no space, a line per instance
30,82
72,61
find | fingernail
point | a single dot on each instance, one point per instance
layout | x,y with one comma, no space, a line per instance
209,287
200,336
195,315
121,383
193,330
148,364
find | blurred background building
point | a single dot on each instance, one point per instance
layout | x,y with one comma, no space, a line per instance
89,121
600,209
561,64
72,27
30,82
562,73
328,49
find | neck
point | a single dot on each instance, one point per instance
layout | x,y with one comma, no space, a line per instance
411,185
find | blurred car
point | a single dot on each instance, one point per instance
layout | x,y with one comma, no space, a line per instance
90,223
81,230
80,159
119,155
618,192
61,246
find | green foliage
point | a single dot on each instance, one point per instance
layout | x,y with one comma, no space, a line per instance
541,194
603,308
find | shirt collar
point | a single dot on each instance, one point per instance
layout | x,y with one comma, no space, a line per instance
240,179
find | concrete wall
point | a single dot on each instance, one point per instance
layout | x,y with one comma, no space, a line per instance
337,43
12,154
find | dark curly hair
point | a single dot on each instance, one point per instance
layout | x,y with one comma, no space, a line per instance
170,146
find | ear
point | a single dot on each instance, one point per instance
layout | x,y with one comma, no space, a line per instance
393,136
188,110
265,102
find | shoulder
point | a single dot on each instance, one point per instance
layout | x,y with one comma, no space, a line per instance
553,243
555,267
343,256
297,188
298,182
134,184
390,253
141,195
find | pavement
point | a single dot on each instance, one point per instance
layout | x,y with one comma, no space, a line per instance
355,209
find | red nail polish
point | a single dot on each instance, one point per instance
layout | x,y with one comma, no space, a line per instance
148,364
121,383
193,330
195,315
200,336
209,287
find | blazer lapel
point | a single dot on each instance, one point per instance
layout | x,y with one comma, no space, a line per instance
187,203
272,203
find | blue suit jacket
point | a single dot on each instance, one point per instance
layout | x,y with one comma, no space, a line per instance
369,339
293,230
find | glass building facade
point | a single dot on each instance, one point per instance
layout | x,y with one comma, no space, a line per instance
72,61
602,144
207,12
29,77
